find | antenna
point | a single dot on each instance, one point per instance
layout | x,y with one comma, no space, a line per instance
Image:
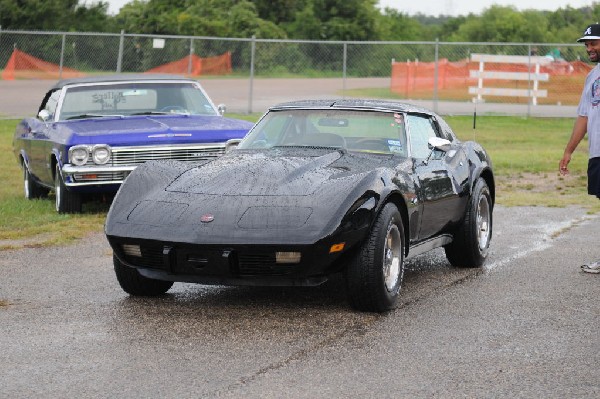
474,117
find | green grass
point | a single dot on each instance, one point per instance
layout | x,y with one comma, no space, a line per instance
525,153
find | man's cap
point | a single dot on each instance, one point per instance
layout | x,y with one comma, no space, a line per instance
592,32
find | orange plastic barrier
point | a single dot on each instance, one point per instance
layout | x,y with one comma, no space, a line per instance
408,77
194,65
21,65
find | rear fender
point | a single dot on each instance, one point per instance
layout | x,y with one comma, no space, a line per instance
480,165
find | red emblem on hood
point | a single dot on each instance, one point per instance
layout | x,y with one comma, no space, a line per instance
207,218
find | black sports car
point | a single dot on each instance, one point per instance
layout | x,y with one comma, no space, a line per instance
315,188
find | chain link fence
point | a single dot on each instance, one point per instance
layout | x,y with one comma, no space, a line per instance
434,73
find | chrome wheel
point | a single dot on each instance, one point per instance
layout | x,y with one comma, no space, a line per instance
26,182
392,258
483,222
58,189
66,201
471,240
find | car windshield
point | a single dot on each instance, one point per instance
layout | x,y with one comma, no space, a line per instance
363,131
135,98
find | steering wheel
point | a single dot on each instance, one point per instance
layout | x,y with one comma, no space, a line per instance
371,144
173,108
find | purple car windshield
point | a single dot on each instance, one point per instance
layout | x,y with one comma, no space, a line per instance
135,98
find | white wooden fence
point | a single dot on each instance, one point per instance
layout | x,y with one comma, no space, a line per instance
533,76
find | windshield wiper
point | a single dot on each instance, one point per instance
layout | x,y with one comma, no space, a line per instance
84,116
152,113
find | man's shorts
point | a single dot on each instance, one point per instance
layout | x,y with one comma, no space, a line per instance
594,177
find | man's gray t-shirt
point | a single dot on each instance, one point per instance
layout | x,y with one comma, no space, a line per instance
589,106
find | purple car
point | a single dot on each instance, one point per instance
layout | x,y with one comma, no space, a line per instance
90,133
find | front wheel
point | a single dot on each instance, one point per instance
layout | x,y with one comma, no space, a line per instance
135,284
375,276
472,239
66,201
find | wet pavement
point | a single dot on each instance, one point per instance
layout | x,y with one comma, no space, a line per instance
525,326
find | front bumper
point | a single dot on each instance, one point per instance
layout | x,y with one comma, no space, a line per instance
227,264
95,175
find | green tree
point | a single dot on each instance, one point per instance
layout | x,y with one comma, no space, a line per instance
59,15
395,25
501,24
219,18
336,20
279,11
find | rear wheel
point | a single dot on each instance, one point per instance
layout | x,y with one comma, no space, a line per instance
135,284
31,188
374,277
472,240
66,201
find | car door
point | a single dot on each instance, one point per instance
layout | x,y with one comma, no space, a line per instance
440,176
40,142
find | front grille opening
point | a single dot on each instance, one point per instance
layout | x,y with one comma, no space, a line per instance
144,255
262,264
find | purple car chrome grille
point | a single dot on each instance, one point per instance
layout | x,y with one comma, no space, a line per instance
127,156
139,155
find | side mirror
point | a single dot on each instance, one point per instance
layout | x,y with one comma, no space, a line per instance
439,143
231,144
221,108
44,115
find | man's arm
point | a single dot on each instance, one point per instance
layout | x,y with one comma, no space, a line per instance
579,131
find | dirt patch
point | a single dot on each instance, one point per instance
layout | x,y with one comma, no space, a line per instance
542,182
36,241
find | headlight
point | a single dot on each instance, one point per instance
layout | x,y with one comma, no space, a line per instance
287,257
101,154
78,155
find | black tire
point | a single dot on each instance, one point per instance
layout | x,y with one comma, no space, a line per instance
472,239
31,188
374,277
66,200
135,284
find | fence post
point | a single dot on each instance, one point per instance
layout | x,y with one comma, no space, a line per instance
435,75
344,70
62,56
120,57
250,94
529,81
191,54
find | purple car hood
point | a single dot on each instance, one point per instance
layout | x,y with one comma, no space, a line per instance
156,129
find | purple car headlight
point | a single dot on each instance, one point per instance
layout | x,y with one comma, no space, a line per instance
101,154
78,155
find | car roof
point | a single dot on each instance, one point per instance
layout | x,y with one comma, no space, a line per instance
357,104
118,78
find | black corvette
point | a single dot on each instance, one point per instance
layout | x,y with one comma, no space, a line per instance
316,188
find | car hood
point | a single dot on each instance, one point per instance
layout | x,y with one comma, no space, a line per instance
251,197
299,173
154,129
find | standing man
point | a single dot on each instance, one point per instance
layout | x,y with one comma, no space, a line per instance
588,121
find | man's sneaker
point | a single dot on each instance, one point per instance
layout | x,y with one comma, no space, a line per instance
593,267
